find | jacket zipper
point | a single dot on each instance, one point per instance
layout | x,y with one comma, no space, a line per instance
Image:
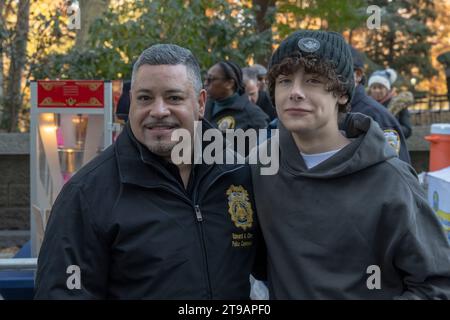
199,217
198,214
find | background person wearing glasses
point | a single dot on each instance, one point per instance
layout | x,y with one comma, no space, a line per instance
228,107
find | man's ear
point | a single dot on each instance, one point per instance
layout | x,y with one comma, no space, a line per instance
201,103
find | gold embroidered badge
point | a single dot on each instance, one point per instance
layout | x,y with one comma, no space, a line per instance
227,122
239,207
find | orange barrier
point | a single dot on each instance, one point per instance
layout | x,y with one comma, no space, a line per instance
440,146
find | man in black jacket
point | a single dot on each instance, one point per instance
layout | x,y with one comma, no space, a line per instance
364,104
132,225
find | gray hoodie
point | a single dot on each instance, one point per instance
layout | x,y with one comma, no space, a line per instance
328,229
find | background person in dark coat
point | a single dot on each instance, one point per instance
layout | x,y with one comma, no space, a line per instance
364,104
123,105
228,107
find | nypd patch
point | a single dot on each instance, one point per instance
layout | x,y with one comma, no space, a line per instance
393,138
225,123
308,45
239,207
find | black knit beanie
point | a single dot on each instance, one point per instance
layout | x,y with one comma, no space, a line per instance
326,46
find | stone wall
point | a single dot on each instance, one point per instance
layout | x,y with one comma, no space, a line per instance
14,190
419,148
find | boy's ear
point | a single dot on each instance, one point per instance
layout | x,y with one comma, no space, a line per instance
343,99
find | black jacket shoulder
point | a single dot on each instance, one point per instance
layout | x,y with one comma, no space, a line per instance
364,104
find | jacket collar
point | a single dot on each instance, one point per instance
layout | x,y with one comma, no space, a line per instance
240,103
138,165
290,154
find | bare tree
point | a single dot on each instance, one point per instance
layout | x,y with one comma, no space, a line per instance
2,36
13,97
265,9
89,10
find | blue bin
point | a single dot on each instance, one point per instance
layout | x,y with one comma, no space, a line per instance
18,285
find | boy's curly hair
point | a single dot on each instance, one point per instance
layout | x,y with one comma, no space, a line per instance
291,64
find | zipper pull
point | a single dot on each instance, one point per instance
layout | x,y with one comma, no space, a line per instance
198,213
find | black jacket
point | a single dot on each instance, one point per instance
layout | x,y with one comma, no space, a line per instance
403,118
136,233
364,104
242,114
405,122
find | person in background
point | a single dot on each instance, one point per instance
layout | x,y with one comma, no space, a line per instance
249,76
123,105
258,97
380,89
261,74
227,106
364,104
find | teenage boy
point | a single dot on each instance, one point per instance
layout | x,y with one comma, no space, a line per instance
344,218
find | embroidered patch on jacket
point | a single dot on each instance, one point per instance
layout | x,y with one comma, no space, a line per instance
393,138
239,207
308,44
227,122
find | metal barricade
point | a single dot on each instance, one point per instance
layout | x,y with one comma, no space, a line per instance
18,264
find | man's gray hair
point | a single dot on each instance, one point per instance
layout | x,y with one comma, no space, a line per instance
170,54
249,73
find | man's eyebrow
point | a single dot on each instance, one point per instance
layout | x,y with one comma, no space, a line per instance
174,91
142,90
170,91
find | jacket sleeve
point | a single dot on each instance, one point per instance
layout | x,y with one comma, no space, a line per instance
73,260
389,122
423,252
405,123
